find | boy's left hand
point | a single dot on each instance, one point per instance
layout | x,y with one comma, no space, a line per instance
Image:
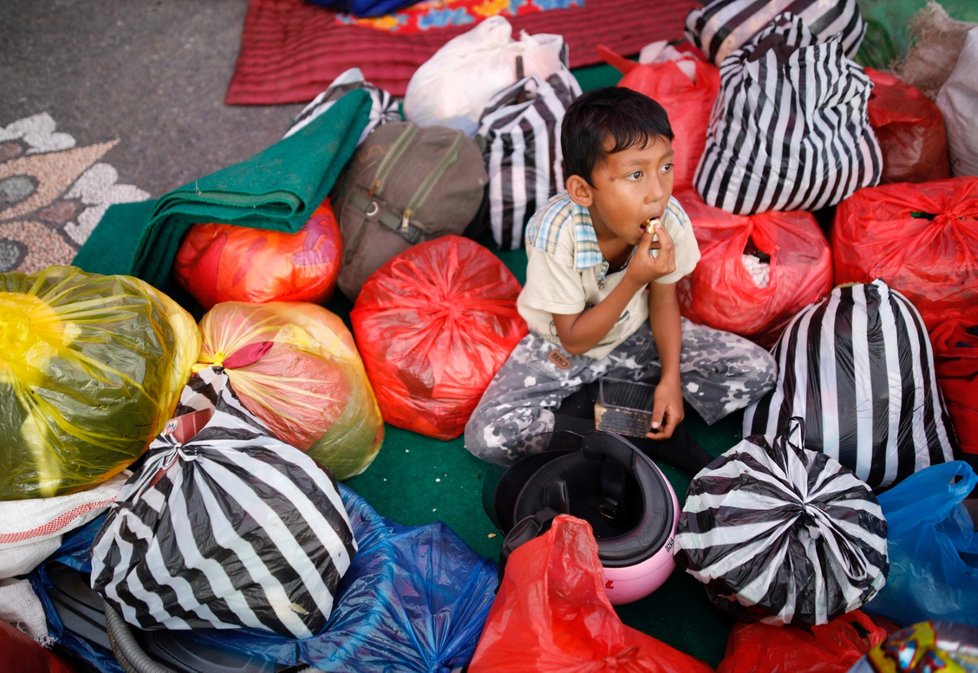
667,410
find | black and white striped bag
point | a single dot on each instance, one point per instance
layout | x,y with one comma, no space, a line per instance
781,534
520,134
226,528
383,107
789,129
722,26
859,369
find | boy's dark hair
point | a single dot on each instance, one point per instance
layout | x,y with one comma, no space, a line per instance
626,116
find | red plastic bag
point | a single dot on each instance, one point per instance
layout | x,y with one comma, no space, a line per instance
829,648
295,366
955,344
921,238
434,325
722,291
687,100
552,613
17,646
910,129
226,262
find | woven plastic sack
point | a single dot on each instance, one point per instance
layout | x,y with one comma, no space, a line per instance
552,615
958,102
756,271
910,130
859,369
789,128
933,545
32,530
434,325
935,41
226,262
686,86
294,365
91,368
922,238
781,534
454,85
223,526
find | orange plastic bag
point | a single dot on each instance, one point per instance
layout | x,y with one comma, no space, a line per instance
434,325
828,648
552,613
226,262
792,267
955,344
687,99
910,129
295,366
921,238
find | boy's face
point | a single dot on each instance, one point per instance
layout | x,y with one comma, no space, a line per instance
629,187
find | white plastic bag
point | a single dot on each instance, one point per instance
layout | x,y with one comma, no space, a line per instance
453,86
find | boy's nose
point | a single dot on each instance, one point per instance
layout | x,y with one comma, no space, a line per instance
656,190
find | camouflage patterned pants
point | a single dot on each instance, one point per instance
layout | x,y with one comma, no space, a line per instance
721,372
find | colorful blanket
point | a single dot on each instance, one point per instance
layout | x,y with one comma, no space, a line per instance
291,50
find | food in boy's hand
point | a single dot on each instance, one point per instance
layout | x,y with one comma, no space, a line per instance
650,225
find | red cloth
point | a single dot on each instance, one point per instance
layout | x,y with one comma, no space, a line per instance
291,51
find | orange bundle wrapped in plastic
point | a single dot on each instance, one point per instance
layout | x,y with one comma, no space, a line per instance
295,366
229,262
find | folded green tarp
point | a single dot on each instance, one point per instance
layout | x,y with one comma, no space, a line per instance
277,189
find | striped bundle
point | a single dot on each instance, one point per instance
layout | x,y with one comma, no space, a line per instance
859,369
229,528
789,129
782,534
520,133
722,26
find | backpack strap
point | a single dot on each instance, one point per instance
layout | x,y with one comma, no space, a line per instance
400,225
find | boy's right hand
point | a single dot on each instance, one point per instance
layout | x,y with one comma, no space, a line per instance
654,256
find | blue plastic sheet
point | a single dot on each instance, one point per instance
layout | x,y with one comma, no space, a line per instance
933,548
415,599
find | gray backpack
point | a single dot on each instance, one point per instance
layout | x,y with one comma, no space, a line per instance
404,184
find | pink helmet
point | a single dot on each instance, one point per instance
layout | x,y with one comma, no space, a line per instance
605,480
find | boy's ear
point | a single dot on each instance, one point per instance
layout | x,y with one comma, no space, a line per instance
579,190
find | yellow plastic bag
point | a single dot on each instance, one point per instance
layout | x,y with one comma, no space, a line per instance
91,368
295,366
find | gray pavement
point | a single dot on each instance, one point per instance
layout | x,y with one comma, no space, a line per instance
152,73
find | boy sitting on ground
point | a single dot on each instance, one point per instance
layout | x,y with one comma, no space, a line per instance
603,260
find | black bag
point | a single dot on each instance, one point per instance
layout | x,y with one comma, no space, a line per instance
383,107
859,369
723,26
789,129
405,184
783,534
227,528
520,132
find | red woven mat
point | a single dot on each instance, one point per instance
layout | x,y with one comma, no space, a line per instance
291,51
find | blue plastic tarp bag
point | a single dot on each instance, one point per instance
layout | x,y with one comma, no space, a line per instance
415,599
933,548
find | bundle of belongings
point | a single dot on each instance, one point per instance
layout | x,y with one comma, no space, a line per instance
201,415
